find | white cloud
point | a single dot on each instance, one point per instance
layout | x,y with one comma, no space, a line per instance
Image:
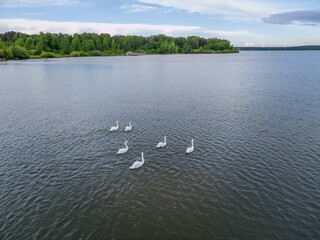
37,3
249,45
228,34
36,26
260,45
232,9
134,8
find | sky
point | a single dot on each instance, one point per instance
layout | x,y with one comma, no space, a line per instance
244,23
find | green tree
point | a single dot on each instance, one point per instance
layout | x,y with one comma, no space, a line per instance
180,41
55,45
84,46
173,48
97,42
90,45
19,52
65,45
29,44
39,46
8,53
19,42
76,45
2,44
221,45
150,43
46,40
114,46
2,53
186,48
106,42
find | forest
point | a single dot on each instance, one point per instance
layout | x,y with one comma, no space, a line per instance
17,45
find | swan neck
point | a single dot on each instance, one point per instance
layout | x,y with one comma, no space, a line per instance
130,124
117,123
142,158
125,143
165,139
192,142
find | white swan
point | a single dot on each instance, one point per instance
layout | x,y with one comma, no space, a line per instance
190,149
138,164
162,144
114,128
123,150
128,128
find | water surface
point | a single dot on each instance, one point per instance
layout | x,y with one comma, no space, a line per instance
254,174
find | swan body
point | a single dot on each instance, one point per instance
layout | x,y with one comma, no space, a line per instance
190,149
123,150
138,164
128,128
162,144
114,128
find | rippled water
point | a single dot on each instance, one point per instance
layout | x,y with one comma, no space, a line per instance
254,174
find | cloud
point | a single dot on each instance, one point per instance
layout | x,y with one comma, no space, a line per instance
38,3
254,45
249,45
232,9
134,8
36,26
308,17
228,34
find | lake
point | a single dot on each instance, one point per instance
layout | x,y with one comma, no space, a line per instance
254,173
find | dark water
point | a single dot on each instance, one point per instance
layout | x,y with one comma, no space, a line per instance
254,174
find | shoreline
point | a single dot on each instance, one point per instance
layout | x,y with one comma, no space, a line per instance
114,55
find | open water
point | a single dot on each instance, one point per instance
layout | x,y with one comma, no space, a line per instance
254,173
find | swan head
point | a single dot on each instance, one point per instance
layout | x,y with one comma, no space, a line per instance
126,141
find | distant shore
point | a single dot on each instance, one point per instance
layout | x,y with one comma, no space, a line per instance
295,48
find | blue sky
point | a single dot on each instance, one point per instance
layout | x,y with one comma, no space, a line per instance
244,23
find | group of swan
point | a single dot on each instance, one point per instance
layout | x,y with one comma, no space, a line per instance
138,164
127,129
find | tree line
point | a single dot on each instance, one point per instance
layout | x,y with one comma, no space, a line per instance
17,45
